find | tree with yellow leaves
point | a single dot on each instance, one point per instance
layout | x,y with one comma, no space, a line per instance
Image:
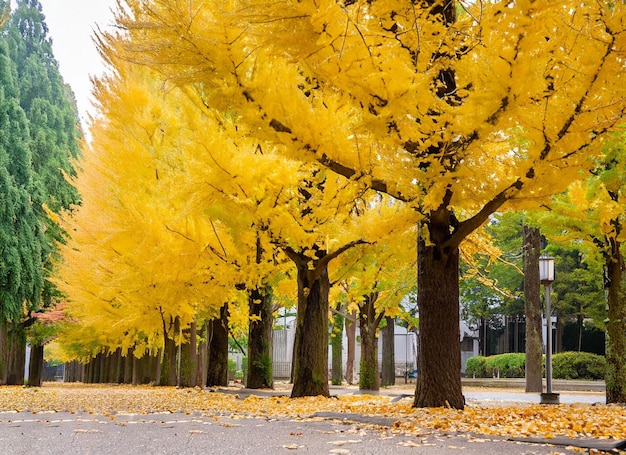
461,109
374,281
138,267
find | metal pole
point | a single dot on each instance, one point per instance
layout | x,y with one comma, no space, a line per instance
548,341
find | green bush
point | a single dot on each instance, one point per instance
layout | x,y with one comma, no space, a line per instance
578,365
510,365
565,365
475,367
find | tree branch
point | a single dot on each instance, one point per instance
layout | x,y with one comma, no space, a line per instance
468,226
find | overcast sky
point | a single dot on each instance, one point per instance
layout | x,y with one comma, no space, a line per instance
71,24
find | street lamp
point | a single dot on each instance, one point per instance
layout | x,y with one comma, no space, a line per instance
546,277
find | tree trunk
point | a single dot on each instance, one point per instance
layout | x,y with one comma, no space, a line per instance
616,327
369,378
532,309
35,366
217,371
4,351
336,343
203,357
128,367
581,326
16,361
168,365
439,360
259,374
351,342
188,362
311,337
389,353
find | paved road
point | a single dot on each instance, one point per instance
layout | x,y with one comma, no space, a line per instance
85,434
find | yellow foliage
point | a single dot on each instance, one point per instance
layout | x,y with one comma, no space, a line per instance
537,87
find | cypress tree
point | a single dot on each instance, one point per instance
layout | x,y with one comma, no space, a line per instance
39,135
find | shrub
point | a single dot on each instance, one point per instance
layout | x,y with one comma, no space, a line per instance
475,367
565,365
510,365
578,365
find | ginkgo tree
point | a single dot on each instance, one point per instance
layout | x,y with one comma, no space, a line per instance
458,108
137,268
374,280
191,173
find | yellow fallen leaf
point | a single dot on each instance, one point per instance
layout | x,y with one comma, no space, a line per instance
344,442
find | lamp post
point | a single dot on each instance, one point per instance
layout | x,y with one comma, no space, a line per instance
546,277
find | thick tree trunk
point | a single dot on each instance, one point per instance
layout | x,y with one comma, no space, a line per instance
616,327
351,342
369,378
532,309
16,355
311,337
35,365
389,353
439,360
336,343
260,340
217,371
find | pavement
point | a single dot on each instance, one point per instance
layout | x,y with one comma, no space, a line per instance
86,434
23,433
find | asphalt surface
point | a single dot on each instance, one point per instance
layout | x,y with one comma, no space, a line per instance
63,433
325,433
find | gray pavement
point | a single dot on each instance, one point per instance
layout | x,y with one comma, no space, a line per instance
86,434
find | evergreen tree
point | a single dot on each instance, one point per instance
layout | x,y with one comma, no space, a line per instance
20,231
51,111
38,125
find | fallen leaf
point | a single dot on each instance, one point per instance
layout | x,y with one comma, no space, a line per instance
343,442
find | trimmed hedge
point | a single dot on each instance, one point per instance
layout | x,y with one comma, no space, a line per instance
496,366
578,365
565,365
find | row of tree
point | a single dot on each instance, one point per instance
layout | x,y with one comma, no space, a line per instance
230,160
459,110
185,221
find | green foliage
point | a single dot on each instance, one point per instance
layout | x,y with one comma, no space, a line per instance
476,367
578,365
53,129
494,286
578,290
240,374
20,230
565,365
510,365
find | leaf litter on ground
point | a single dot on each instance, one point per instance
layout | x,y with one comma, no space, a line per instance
598,421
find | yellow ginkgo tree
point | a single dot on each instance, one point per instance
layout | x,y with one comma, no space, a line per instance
460,109
138,266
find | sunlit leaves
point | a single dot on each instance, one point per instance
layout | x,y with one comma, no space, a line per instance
536,87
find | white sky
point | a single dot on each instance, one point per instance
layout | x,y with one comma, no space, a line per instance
71,24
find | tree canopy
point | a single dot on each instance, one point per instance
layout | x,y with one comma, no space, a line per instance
458,109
